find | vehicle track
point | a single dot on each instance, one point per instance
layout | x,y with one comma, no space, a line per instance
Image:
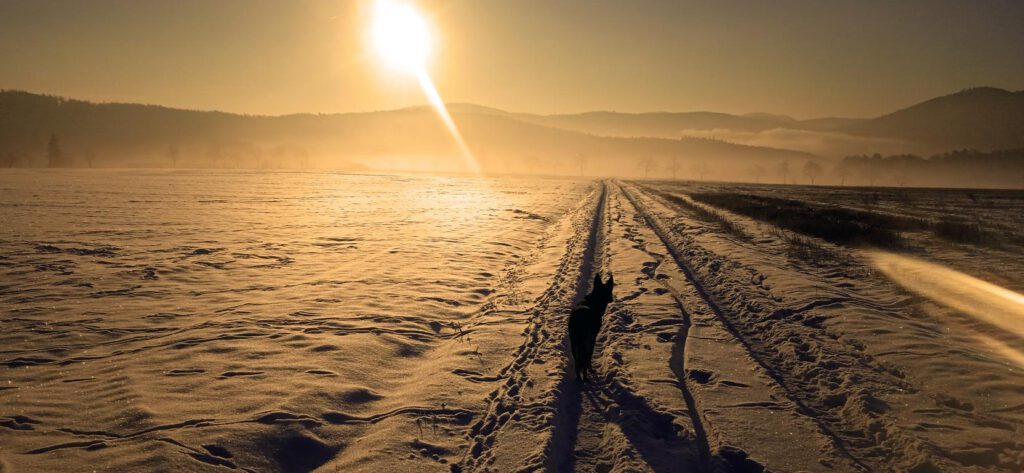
660,230
619,429
678,361
610,424
603,425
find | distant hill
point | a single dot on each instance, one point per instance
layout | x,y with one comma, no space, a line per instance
828,123
412,138
664,124
772,117
661,124
983,118
652,124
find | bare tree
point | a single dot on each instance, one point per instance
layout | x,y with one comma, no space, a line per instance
783,168
870,173
757,170
581,160
700,168
646,164
843,170
54,154
812,170
901,176
90,157
300,154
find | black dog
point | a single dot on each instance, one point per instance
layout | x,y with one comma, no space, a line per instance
585,323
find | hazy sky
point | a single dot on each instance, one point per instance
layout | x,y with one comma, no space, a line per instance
806,58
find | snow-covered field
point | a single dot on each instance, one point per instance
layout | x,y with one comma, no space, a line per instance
255,321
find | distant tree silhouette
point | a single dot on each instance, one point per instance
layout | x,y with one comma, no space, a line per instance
843,170
301,156
1001,168
812,170
783,168
581,160
55,156
700,168
870,173
173,153
873,169
646,164
90,157
757,170
901,175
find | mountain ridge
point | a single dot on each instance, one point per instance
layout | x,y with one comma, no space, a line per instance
984,118
981,117
131,133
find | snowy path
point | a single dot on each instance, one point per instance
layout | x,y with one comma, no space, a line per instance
675,389
744,401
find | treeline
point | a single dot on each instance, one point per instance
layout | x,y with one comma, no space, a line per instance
54,153
961,168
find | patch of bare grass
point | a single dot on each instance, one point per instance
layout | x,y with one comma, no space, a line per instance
704,214
834,224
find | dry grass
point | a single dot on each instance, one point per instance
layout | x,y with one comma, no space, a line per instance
834,224
703,213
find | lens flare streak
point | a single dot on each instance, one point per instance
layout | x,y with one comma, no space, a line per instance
435,101
982,300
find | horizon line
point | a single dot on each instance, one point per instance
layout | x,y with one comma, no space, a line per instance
450,104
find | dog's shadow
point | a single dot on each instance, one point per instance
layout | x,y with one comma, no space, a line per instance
662,444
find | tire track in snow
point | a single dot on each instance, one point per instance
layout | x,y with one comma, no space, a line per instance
618,428
659,229
598,426
678,361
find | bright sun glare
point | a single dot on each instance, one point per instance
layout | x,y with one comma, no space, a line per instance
402,40
401,36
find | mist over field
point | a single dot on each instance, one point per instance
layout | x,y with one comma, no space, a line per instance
981,128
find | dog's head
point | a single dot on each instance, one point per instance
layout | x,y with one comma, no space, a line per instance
602,291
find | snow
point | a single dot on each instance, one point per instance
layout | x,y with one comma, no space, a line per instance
298,321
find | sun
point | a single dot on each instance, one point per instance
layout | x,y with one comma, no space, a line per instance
401,36
402,40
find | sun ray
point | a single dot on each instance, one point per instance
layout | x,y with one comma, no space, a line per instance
434,98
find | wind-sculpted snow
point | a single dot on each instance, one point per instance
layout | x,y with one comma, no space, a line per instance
903,383
273,321
261,321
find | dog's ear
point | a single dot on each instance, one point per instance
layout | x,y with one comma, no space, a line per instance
611,281
597,281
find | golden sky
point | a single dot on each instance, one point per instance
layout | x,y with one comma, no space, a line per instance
805,58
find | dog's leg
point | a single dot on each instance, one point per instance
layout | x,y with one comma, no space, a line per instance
588,356
583,363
